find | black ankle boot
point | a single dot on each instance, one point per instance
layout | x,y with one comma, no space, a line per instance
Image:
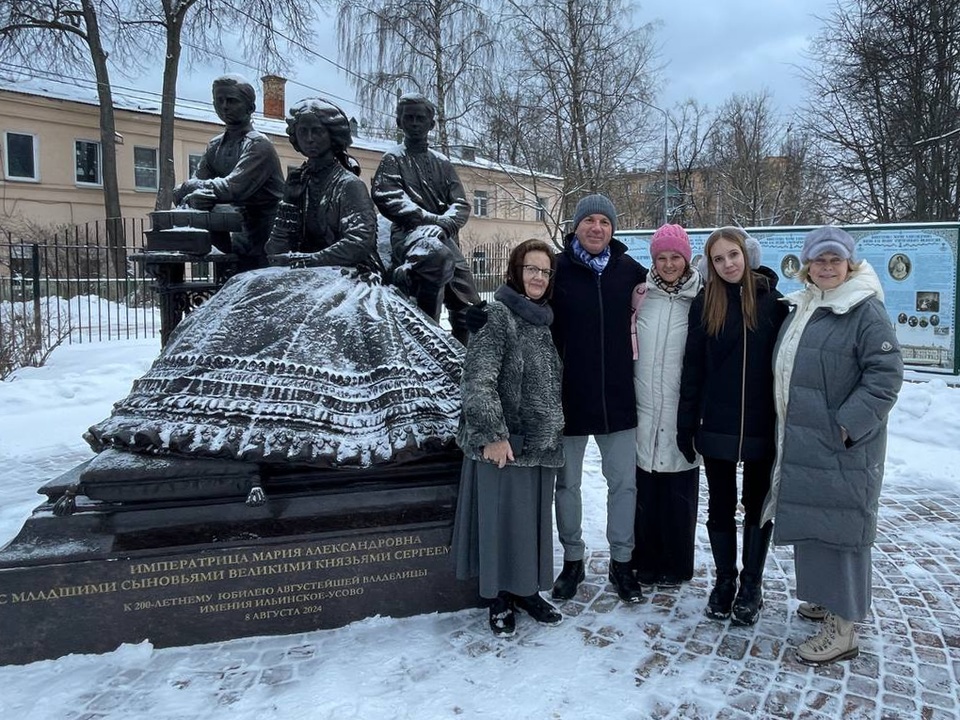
749,601
623,581
538,608
569,578
720,603
503,622
723,545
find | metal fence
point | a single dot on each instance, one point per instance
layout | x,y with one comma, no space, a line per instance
489,264
72,286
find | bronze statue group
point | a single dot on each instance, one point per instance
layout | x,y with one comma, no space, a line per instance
782,400
323,215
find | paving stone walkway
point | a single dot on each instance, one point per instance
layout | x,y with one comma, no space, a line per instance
909,663
908,668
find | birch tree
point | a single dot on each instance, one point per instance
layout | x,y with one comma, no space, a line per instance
440,48
589,68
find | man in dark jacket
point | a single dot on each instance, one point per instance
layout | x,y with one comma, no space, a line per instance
239,167
592,315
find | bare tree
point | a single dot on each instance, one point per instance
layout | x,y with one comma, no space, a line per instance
741,164
67,35
885,80
743,140
264,28
764,172
692,126
438,47
806,196
587,68
514,129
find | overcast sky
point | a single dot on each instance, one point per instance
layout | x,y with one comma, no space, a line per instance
710,50
714,49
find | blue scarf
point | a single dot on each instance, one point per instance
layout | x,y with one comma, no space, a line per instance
596,262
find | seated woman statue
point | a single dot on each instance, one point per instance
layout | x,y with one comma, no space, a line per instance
326,216
310,362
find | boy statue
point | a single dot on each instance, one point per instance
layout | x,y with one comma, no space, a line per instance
417,189
240,167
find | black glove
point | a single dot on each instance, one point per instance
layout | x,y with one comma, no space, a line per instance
685,444
475,316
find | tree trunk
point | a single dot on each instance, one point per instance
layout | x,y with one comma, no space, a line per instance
171,68
108,149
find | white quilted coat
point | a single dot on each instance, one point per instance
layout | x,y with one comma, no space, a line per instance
661,337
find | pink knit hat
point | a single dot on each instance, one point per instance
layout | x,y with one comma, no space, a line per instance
670,238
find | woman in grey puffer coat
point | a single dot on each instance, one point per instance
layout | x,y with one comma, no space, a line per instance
510,432
837,373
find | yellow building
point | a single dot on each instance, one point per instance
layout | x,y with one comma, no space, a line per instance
51,169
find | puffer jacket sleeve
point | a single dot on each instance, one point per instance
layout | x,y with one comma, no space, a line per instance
691,377
482,418
881,366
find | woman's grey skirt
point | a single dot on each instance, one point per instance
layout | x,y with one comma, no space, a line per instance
503,531
840,580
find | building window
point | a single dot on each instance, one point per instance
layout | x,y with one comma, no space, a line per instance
145,174
193,164
479,264
21,156
480,203
88,162
541,209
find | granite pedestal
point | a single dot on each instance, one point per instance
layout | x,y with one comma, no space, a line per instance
326,548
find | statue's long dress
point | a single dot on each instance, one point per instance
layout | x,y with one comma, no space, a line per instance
310,366
305,366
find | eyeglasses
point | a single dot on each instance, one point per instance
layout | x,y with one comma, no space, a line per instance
532,271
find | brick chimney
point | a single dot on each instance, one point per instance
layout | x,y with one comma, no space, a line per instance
274,96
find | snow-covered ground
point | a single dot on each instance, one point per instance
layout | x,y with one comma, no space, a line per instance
441,666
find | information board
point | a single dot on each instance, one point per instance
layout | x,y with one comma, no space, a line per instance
916,264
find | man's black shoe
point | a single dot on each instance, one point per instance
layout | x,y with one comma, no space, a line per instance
569,578
538,608
623,581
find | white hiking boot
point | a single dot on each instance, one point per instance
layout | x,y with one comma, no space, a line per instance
812,611
837,640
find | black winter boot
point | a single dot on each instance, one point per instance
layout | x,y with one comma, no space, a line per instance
623,581
723,544
749,602
569,578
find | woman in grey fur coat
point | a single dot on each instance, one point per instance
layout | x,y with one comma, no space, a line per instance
837,374
510,434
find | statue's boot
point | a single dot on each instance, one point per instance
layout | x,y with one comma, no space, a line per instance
429,296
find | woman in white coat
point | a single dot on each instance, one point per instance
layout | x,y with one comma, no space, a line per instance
667,483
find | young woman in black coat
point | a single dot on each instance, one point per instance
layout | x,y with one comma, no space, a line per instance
726,410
